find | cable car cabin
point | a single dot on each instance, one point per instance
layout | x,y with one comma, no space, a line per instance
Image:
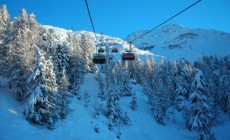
128,55
99,59
115,50
101,50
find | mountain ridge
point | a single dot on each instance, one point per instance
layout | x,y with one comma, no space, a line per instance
178,42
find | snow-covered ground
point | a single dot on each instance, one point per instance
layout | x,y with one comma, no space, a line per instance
79,124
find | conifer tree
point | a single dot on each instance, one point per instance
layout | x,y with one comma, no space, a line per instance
4,21
42,107
201,111
88,49
224,93
159,98
179,83
101,86
86,98
125,85
64,98
133,104
114,111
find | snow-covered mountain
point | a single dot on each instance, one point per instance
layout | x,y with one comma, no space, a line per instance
60,36
175,42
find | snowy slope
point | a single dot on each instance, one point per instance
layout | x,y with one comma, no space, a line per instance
79,124
175,42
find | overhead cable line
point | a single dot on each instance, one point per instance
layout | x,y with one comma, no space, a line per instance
165,21
91,20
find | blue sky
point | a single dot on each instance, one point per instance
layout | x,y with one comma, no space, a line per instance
119,18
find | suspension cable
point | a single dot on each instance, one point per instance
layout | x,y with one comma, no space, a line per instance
165,21
91,20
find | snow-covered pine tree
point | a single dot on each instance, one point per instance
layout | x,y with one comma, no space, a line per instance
133,103
96,110
76,69
187,74
125,85
86,98
138,70
159,98
114,112
101,85
21,54
209,67
180,91
148,69
131,69
118,72
201,111
88,49
60,59
148,74
224,93
42,103
64,98
4,18
4,32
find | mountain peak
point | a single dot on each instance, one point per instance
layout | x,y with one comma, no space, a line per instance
176,42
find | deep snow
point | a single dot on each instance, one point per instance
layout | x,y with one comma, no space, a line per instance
79,124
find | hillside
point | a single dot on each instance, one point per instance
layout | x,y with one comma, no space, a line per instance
79,123
60,36
178,42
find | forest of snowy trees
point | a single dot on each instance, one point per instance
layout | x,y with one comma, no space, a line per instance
41,69
46,74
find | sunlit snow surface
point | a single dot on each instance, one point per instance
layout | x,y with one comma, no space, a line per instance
178,42
79,124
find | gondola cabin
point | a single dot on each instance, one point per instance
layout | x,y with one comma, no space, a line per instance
99,59
101,50
128,55
115,50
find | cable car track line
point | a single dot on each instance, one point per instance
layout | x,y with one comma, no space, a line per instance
91,20
166,21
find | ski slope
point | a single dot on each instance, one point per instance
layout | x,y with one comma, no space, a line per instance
79,124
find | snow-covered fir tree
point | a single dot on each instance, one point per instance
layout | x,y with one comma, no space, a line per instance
118,72
114,112
65,95
88,49
42,106
4,40
201,112
21,50
125,84
86,98
133,103
179,83
148,74
224,93
159,98
4,18
76,69
60,59
101,85
138,70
